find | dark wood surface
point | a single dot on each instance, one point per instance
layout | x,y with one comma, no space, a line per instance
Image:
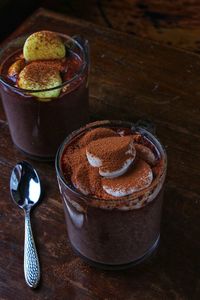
131,79
173,23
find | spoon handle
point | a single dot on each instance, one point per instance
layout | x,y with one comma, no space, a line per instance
31,261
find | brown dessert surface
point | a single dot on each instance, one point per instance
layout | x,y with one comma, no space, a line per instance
87,179
112,151
105,148
135,179
96,134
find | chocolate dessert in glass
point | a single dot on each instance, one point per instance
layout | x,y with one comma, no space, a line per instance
111,176
44,90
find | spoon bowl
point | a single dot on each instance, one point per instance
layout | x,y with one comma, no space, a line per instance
25,186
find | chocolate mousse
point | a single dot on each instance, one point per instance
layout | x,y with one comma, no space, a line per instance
44,88
111,178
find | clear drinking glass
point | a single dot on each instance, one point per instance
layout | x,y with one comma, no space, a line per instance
113,234
38,127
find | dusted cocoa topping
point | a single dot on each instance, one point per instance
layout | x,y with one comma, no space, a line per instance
54,64
96,134
80,178
74,157
110,148
110,167
84,178
135,179
39,72
88,181
111,153
48,37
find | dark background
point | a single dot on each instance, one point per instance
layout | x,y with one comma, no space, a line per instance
12,13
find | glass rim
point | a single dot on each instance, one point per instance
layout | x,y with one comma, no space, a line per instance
28,91
105,123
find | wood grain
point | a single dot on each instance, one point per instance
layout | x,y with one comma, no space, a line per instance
173,23
131,79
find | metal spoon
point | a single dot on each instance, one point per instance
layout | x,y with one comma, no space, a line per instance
25,189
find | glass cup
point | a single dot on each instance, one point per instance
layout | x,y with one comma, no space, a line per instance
38,127
113,234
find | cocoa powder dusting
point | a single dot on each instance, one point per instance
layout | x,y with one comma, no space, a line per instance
54,64
137,177
96,134
49,37
113,151
37,72
83,176
80,178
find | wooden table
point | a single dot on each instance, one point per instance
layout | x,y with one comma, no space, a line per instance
131,79
173,23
